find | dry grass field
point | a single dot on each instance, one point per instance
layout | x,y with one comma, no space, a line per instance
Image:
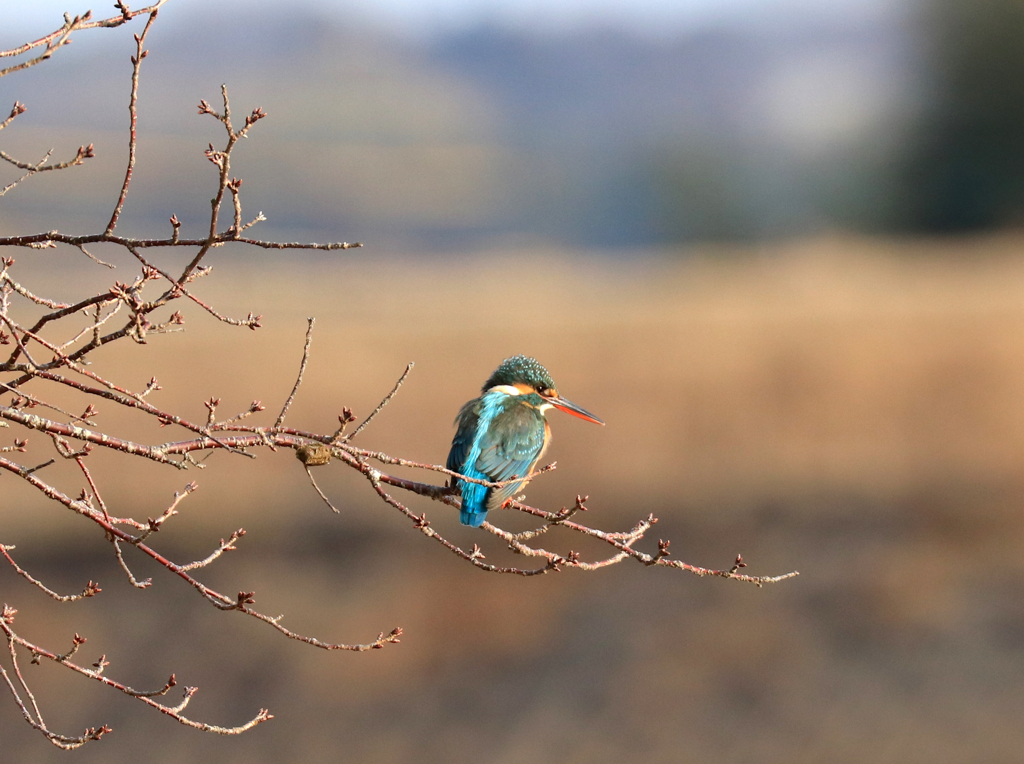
853,409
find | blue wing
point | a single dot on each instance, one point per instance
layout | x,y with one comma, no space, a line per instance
499,436
465,423
473,494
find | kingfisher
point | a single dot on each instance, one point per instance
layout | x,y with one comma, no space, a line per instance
503,434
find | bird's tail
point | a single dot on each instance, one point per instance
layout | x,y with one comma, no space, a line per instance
472,519
474,503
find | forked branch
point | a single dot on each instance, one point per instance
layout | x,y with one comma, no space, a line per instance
26,701
50,354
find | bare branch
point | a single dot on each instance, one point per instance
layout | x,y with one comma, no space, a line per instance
61,37
54,356
225,546
383,403
31,240
321,493
34,717
83,153
140,53
91,589
298,379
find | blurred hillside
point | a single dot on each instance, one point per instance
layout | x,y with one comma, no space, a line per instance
901,120
590,137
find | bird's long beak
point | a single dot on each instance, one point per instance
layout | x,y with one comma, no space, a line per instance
571,408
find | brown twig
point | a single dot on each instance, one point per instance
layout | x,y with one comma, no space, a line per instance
322,495
83,153
61,37
91,589
382,404
33,239
298,378
220,601
34,717
140,53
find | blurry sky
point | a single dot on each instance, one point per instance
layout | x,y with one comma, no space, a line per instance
658,17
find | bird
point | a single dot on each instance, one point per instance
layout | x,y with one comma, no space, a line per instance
502,434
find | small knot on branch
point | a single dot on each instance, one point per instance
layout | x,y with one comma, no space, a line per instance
314,454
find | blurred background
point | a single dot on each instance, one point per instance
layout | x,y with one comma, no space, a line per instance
776,245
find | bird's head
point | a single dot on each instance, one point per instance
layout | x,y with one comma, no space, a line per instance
522,375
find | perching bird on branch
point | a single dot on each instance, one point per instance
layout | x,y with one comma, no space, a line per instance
503,434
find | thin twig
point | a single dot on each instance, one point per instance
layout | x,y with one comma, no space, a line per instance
83,153
144,696
322,494
140,53
91,589
382,404
302,370
61,37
